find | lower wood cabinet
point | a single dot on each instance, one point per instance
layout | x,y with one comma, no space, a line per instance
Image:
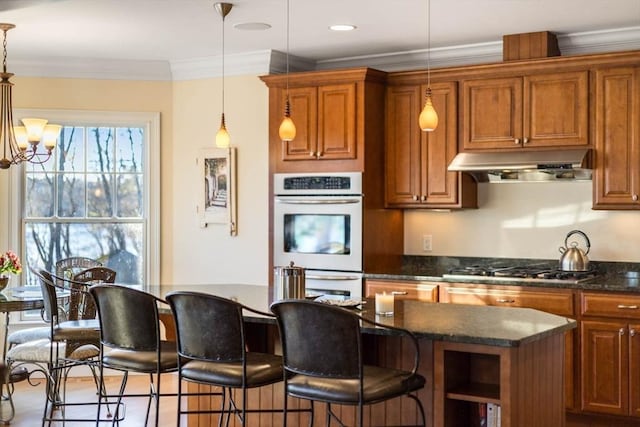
610,349
551,300
421,291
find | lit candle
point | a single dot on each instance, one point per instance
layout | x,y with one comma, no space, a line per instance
384,304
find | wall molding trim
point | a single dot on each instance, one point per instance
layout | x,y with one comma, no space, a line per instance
274,62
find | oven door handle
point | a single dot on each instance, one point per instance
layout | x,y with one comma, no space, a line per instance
317,202
316,277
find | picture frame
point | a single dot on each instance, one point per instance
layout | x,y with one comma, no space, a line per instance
217,189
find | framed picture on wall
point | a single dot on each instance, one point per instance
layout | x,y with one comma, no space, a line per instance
217,194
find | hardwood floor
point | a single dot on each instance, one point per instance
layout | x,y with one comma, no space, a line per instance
29,402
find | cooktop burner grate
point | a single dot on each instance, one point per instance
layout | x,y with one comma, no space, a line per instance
538,273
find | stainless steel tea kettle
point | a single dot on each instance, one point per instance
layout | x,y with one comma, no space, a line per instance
573,258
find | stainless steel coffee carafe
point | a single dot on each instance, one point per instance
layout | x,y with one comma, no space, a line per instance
288,282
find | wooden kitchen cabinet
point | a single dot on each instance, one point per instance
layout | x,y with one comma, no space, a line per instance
416,161
610,351
334,112
531,111
551,300
616,176
402,289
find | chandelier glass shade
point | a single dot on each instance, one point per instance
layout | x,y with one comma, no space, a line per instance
20,143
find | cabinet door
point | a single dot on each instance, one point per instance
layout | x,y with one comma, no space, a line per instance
403,141
634,369
438,185
605,379
556,110
304,112
617,143
492,113
337,122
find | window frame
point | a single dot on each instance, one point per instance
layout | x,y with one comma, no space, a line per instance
150,121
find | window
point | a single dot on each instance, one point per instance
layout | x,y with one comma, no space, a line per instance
97,196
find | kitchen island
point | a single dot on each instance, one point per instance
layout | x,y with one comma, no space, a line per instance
471,356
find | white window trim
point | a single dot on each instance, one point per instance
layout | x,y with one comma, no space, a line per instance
151,122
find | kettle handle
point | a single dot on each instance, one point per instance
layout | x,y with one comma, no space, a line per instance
571,233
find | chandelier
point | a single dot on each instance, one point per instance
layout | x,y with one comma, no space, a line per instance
20,143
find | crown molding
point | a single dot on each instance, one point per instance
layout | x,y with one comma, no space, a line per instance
274,62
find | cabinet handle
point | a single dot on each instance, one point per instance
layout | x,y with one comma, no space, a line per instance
634,197
506,301
627,307
525,141
621,331
399,293
415,198
517,141
632,332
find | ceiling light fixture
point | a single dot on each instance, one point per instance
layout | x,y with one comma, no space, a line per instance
222,137
20,143
342,27
287,130
428,117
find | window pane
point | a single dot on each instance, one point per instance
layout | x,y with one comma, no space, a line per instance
70,149
129,149
71,202
39,195
117,246
129,196
100,149
99,195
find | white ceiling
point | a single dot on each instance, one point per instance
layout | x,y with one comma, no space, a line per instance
175,31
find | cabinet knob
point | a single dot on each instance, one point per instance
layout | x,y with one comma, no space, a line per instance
516,141
632,332
634,197
621,331
525,141
320,154
415,198
312,154
423,198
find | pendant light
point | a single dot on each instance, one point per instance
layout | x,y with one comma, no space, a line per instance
20,143
222,137
428,117
287,130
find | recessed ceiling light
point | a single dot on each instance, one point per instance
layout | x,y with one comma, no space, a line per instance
342,27
252,26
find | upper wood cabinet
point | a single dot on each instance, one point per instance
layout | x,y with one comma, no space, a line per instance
617,138
334,112
416,161
534,111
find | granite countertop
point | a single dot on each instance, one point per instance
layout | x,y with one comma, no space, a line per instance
497,326
612,277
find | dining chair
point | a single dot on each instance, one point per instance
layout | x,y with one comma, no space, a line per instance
213,351
130,341
70,343
68,267
323,360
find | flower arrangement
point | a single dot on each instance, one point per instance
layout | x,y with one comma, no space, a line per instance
10,263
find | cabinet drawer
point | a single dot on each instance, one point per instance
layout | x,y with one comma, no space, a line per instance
420,291
611,305
551,301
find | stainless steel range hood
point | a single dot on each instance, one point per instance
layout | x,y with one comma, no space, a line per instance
520,165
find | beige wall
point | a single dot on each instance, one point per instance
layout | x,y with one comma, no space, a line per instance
526,220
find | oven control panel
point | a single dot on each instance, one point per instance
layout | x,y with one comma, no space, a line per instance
346,183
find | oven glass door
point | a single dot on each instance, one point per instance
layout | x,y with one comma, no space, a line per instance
319,232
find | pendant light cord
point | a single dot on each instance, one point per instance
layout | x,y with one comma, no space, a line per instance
223,18
287,49
428,43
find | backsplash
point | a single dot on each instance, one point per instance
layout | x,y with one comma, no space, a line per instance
525,220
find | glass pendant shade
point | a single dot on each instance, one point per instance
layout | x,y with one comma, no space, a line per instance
22,140
35,128
428,119
287,130
222,137
50,136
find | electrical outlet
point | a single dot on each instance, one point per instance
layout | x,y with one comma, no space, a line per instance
426,243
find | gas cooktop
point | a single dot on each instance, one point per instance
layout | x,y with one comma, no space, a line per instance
530,273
